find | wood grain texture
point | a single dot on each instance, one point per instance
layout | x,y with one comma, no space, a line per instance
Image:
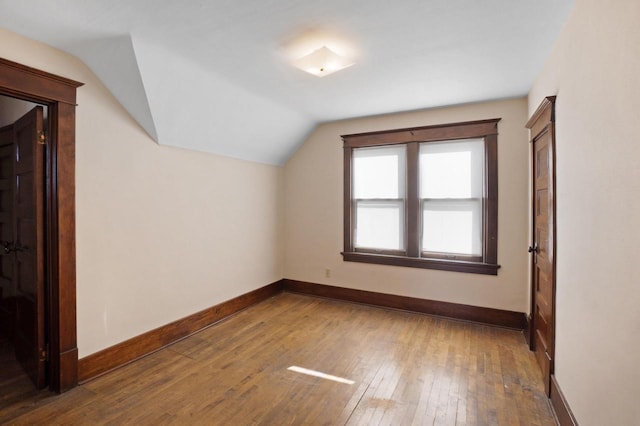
406,369
413,199
543,247
561,408
421,262
59,94
16,388
527,330
543,115
130,350
463,130
62,248
501,318
490,240
42,86
28,233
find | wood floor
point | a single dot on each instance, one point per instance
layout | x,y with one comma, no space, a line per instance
15,385
407,369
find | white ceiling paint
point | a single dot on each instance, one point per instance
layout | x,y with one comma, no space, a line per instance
214,75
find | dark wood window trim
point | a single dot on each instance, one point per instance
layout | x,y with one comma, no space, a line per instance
59,94
413,257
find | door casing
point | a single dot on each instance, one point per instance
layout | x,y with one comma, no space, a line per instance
59,95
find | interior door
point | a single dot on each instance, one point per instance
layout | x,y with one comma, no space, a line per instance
542,341
28,246
7,285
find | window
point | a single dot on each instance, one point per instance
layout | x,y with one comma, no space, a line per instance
423,197
451,176
379,197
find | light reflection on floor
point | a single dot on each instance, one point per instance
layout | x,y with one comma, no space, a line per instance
320,374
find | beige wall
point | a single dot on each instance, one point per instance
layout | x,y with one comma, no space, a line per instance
594,69
161,232
313,213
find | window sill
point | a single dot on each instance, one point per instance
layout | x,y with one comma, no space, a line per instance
419,262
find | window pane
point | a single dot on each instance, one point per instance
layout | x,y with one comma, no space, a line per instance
379,172
452,226
380,225
452,169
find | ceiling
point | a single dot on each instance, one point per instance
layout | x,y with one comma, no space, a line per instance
215,75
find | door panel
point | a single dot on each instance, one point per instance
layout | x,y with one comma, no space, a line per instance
7,284
28,229
542,340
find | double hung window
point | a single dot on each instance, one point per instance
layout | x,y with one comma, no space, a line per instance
423,197
379,198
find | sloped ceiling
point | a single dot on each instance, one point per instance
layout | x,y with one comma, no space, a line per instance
215,75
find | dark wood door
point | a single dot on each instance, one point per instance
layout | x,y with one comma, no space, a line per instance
543,250
7,284
28,248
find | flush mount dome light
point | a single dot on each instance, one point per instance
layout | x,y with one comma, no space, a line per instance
322,62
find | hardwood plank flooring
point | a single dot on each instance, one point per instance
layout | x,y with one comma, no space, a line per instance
16,389
407,369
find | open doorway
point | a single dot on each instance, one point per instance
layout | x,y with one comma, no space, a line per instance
23,297
58,94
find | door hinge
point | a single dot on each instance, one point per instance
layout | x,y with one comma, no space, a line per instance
44,353
42,137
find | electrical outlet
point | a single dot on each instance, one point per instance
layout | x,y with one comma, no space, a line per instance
327,272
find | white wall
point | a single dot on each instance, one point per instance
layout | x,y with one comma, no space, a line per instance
314,214
161,232
595,71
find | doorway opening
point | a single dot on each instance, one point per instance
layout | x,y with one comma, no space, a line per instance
23,296
58,95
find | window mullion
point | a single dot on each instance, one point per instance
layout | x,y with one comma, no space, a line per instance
490,237
413,203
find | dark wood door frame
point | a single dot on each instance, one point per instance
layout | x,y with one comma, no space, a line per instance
59,94
542,124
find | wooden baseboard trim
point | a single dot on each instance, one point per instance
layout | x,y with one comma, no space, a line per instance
560,406
490,316
137,347
68,370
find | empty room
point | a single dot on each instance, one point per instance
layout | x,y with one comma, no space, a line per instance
284,212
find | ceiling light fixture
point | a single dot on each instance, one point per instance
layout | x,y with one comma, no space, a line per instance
322,62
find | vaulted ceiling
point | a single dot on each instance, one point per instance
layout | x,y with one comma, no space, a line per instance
216,75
